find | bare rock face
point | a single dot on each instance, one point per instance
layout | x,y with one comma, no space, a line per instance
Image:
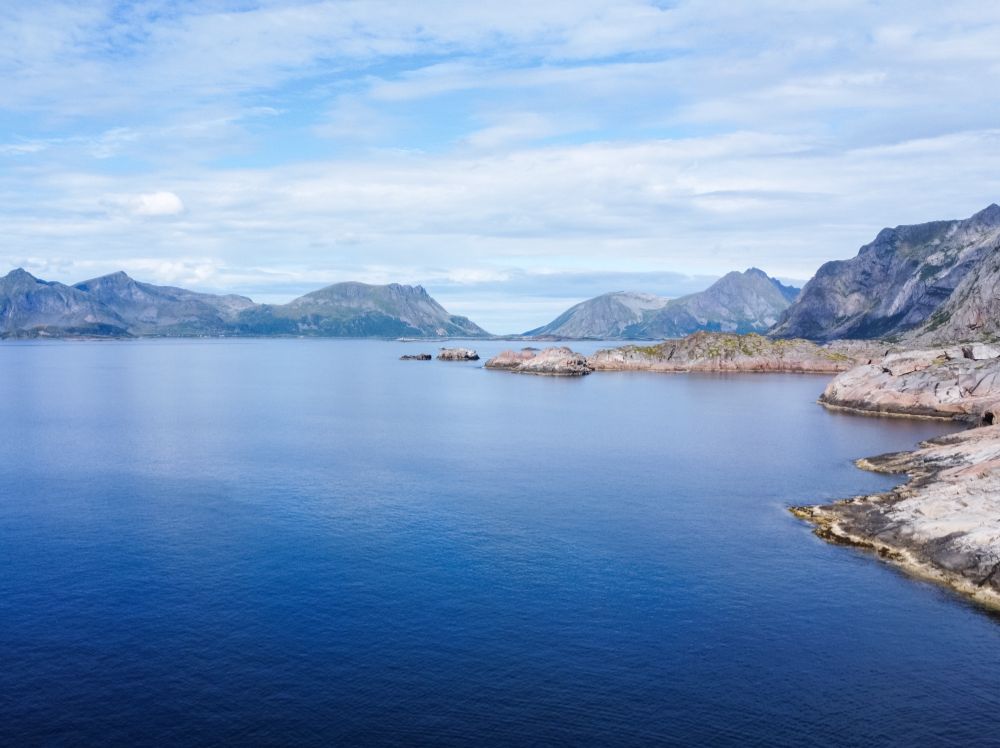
938,280
511,360
416,357
944,524
706,351
948,383
457,354
561,362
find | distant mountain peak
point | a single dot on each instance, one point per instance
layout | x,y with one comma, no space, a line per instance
17,273
748,301
989,215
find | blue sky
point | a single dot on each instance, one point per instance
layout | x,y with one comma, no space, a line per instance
513,159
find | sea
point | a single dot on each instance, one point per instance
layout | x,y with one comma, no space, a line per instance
310,542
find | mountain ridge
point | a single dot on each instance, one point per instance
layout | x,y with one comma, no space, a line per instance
748,301
895,283
117,305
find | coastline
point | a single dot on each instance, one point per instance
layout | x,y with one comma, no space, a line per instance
943,523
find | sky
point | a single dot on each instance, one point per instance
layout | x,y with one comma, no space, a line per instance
514,158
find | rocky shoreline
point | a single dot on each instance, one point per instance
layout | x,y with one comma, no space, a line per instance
943,524
702,351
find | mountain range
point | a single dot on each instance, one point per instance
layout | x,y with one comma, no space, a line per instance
750,301
931,282
118,306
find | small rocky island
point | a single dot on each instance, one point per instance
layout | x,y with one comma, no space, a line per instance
555,362
416,357
457,354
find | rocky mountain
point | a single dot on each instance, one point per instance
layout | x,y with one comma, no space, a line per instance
360,310
606,317
118,306
146,309
738,302
938,279
30,307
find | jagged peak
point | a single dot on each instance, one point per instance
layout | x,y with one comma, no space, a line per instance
18,273
989,214
119,276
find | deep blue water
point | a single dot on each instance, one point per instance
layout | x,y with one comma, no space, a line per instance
310,542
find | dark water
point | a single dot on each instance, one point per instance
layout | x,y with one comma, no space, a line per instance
310,542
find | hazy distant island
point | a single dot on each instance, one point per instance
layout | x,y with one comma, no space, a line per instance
118,306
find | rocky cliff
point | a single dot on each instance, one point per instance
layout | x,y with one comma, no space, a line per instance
738,302
898,282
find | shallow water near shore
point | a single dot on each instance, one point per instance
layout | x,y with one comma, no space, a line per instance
309,542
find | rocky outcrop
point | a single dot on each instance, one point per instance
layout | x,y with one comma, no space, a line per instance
416,357
457,354
898,282
705,351
944,524
738,302
955,382
511,360
561,362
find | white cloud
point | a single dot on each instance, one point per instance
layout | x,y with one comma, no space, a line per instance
152,204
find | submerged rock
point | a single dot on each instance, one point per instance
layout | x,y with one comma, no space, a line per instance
416,357
458,354
560,361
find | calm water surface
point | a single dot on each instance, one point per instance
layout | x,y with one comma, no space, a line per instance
310,542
